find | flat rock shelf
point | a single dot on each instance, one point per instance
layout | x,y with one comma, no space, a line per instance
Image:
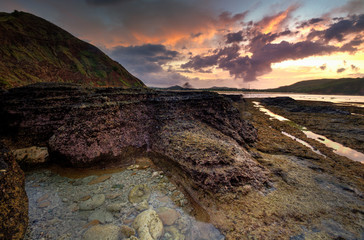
108,205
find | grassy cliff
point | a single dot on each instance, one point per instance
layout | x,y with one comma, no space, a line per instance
345,86
35,50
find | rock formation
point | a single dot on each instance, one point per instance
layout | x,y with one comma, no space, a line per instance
13,199
202,133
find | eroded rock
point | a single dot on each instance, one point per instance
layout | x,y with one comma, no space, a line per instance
148,225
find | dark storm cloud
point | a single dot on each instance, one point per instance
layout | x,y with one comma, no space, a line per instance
234,37
340,70
323,67
338,30
310,22
146,58
249,68
146,61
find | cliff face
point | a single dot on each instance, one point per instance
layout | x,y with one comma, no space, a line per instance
35,50
200,132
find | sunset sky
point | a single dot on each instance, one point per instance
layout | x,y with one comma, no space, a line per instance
235,43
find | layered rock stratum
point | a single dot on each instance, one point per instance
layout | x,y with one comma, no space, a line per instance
201,133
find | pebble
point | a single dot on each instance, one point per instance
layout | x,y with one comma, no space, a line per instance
105,203
102,232
44,204
93,202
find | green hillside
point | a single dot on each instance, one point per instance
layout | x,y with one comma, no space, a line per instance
345,86
35,50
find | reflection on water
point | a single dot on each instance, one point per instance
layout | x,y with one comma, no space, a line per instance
67,208
304,143
337,147
268,112
348,100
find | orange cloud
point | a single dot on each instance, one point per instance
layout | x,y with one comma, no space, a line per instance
276,23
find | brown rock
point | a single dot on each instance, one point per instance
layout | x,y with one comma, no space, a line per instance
168,215
13,199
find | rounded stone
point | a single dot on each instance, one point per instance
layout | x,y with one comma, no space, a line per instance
148,225
93,202
139,193
168,215
102,232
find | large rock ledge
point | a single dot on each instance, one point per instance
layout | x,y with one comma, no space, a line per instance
201,132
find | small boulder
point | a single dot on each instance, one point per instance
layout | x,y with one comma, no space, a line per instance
102,232
148,225
93,202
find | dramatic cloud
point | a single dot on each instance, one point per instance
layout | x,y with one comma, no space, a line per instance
234,37
338,30
146,61
276,23
143,59
167,42
340,70
310,22
264,54
229,18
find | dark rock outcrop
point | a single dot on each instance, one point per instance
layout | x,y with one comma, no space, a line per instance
201,132
13,199
294,106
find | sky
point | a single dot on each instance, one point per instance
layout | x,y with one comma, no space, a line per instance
233,43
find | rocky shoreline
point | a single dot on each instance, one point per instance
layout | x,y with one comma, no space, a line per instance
229,162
